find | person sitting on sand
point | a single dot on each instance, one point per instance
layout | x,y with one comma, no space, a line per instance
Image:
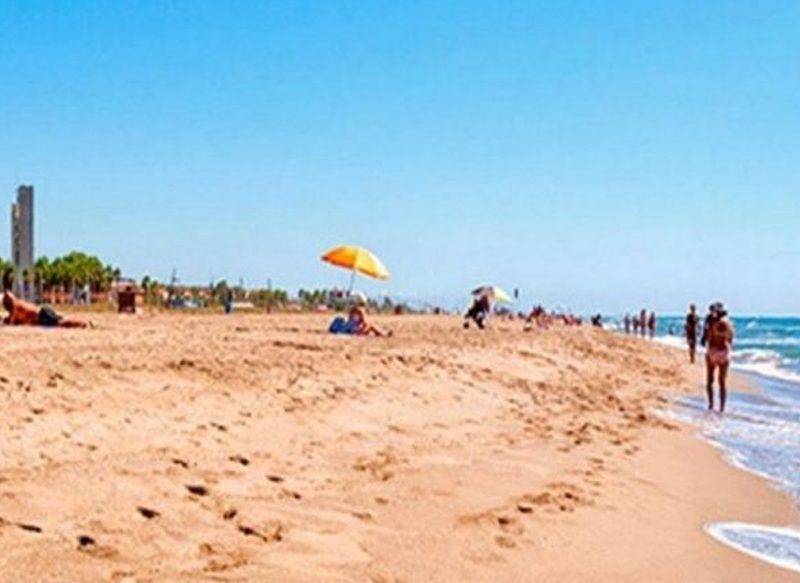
22,313
357,322
479,311
538,317
719,336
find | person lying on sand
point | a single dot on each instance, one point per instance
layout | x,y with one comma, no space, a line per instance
22,313
719,335
357,322
538,317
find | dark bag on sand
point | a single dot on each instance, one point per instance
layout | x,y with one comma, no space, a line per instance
48,317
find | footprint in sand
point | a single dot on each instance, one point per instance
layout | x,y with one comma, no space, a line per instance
87,544
505,541
284,493
270,533
148,513
30,528
363,516
510,525
240,459
230,514
197,490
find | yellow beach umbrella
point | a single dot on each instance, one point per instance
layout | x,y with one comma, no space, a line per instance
497,294
358,260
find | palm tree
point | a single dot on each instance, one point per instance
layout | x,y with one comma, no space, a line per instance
110,274
6,271
42,273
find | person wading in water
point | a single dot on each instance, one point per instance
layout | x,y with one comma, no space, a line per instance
690,330
719,338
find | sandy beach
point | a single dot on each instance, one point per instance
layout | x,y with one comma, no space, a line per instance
177,448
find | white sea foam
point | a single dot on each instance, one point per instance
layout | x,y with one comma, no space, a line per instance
759,434
774,545
769,340
762,361
774,368
672,341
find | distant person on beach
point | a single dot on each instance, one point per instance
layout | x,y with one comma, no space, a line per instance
627,323
22,313
706,325
719,337
357,322
690,330
538,317
651,325
479,311
643,322
229,301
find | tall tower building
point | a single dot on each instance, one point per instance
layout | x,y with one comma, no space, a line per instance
22,242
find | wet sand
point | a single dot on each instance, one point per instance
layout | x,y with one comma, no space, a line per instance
180,448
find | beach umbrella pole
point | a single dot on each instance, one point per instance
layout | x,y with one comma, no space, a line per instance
352,281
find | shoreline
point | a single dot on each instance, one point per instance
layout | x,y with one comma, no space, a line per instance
741,382
432,456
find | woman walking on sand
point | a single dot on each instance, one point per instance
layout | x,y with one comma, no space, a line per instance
719,335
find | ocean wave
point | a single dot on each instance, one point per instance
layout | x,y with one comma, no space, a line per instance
774,545
761,355
769,369
758,355
760,434
769,340
672,341
768,363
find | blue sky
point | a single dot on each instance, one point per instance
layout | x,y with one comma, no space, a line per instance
598,155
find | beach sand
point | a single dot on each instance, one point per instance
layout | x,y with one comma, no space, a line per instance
179,448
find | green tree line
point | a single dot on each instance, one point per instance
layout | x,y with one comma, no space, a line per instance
67,272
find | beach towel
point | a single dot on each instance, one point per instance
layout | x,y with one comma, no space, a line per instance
342,326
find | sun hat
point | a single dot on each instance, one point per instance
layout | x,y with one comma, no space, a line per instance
358,298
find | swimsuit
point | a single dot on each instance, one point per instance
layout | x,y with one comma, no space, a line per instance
718,336
48,317
718,356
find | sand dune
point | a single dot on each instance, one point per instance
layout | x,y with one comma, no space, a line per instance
254,448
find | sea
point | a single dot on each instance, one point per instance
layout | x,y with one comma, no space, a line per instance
759,433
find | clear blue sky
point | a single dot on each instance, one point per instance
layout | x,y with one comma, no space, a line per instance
599,155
